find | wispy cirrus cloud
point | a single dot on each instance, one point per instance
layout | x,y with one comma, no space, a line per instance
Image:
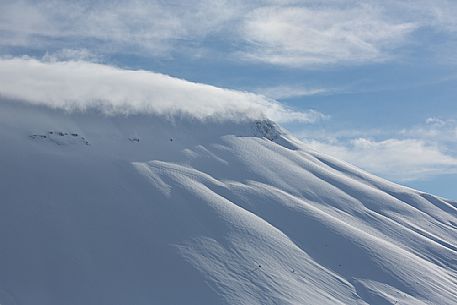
80,85
285,33
298,35
153,26
315,33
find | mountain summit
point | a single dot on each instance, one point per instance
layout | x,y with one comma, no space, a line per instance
99,209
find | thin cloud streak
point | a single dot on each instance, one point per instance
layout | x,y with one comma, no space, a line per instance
286,92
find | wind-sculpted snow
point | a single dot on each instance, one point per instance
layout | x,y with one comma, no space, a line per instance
181,211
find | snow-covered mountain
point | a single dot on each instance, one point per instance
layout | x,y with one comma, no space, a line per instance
144,209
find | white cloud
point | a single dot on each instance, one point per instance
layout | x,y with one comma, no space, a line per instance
288,33
152,26
400,159
418,152
434,129
297,35
78,85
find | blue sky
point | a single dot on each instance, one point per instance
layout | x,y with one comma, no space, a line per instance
382,73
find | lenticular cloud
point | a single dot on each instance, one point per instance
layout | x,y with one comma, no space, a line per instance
81,85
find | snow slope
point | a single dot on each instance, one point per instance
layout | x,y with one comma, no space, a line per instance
98,209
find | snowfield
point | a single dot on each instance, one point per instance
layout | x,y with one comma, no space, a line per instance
144,209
